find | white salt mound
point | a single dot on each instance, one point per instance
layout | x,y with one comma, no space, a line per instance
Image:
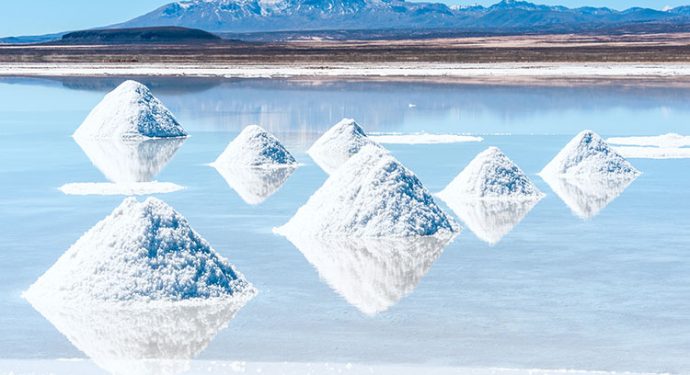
254,147
142,251
371,196
491,175
338,144
588,155
130,110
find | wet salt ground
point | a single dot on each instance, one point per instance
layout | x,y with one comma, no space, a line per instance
609,293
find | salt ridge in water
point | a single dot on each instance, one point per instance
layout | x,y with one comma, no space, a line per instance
142,251
372,195
254,147
338,144
588,155
491,175
130,110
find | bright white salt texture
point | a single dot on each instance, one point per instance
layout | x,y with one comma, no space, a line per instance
142,251
128,189
254,147
338,144
491,175
670,140
587,155
371,274
130,110
633,152
423,138
371,196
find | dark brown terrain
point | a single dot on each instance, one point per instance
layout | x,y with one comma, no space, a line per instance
541,48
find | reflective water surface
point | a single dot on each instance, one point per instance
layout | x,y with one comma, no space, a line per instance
592,277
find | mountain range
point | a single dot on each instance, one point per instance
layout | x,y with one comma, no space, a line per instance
508,16
235,17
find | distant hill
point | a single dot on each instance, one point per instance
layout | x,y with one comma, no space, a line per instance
508,16
144,35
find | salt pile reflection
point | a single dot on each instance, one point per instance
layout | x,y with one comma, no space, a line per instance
131,164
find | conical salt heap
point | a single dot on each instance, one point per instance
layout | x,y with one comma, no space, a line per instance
588,174
255,164
491,195
491,175
130,110
588,155
372,195
254,147
338,144
140,252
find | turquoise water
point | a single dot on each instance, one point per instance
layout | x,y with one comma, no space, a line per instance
611,292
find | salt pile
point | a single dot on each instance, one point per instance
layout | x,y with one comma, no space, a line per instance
491,175
129,164
130,110
372,195
371,274
140,339
142,251
255,165
491,195
588,174
338,144
588,155
254,147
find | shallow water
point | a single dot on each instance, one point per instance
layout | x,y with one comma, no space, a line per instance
593,287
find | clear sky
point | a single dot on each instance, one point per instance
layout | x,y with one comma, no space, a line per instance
34,17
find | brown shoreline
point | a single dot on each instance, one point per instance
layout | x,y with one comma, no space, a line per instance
652,48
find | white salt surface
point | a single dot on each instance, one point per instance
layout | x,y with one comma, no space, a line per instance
142,251
490,219
586,155
81,367
144,338
670,140
372,195
633,152
422,138
128,189
130,111
338,144
254,147
371,274
491,175
440,70
586,197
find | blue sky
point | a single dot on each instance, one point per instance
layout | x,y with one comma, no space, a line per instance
46,16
